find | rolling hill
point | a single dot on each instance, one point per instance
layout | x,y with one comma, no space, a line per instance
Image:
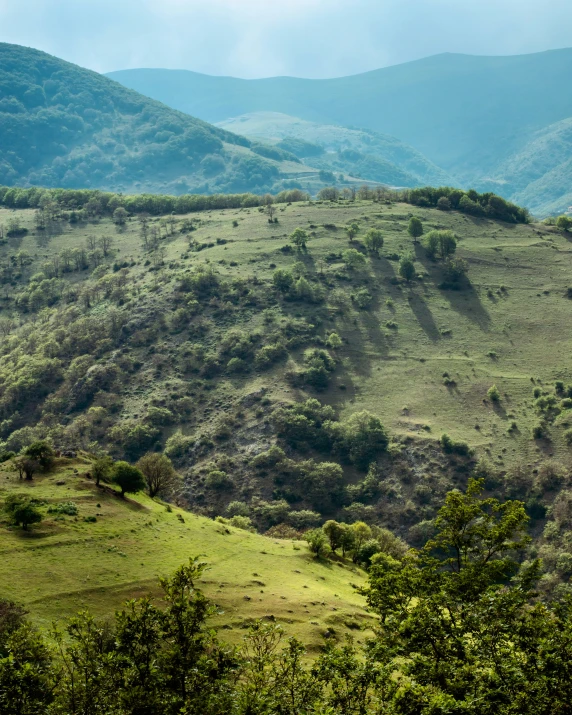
64,126
360,153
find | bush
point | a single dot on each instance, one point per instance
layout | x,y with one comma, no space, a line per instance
303,519
241,522
493,394
237,508
451,447
363,299
67,508
219,480
268,459
178,445
363,438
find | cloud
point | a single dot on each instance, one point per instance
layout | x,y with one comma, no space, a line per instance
254,38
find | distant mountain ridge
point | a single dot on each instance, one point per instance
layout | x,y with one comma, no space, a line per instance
472,116
65,126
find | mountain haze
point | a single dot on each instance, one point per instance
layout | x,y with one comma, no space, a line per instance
464,112
358,152
65,126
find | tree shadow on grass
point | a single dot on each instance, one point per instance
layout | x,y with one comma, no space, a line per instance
424,317
465,300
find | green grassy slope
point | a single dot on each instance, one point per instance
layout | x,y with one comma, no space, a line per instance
465,113
360,153
62,125
124,354
66,564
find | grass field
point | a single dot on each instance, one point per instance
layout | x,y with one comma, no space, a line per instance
67,564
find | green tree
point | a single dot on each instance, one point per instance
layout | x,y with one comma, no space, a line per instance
415,228
299,238
159,474
440,243
407,267
334,341
456,616
22,511
120,216
564,223
317,542
334,532
353,259
128,478
352,230
363,437
373,241
42,452
283,280
102,469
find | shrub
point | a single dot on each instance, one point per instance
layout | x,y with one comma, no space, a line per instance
237,508
268,459
178,445
443,204
160,416
493,394
303,519
451,447
353,259
67,508
241,522
219,480
362,437
363,299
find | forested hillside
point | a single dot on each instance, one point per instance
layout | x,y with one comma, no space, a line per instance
64,126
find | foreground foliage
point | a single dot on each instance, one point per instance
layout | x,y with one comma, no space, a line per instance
459,631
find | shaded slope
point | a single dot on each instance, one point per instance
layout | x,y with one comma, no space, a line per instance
61,125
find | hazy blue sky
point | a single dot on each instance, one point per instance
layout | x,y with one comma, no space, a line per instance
258,38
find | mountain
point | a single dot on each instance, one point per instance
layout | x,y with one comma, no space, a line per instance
465,113
65,126
361,153
540,174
